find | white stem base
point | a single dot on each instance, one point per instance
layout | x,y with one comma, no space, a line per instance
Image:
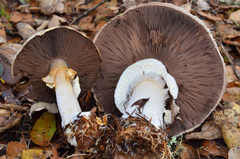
154,108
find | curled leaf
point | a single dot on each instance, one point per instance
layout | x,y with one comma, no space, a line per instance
44,129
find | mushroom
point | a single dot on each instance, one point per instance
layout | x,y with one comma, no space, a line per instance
63,59
160,63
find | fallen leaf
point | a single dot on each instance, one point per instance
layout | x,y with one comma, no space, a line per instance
230,133
234,153
203,5
229,97
233,105
228,32
235,16
43,130
210,131
86,20
13,107
188,152
231,42
32,154
209,16
225,115
233,90
2,34
230,75
15,149
112,3
100,25
16,17
211,148
208,23
10,122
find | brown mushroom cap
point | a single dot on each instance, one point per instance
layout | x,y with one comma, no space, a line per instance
57,43
176,38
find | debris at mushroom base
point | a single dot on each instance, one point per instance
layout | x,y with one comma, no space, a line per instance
138,138
91,135
112,137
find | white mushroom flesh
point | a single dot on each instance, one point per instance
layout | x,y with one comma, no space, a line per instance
145,80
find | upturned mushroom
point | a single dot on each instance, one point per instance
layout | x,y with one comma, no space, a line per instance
63,59
160,63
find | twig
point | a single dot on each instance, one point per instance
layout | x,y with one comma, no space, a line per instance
12,106
88,11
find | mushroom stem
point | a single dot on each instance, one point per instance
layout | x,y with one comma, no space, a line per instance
68,105
148,99
61,78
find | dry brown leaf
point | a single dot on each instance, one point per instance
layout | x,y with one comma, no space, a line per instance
211,148
16,17
87,27
11,122
230,42
15,149
2,34
209,16
86,20
235,16
233,90
100,25
227,31
208,23
13,107
188,152
230,75
210,131
229,97
103,11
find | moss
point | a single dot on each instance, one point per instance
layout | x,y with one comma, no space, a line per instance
3,13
